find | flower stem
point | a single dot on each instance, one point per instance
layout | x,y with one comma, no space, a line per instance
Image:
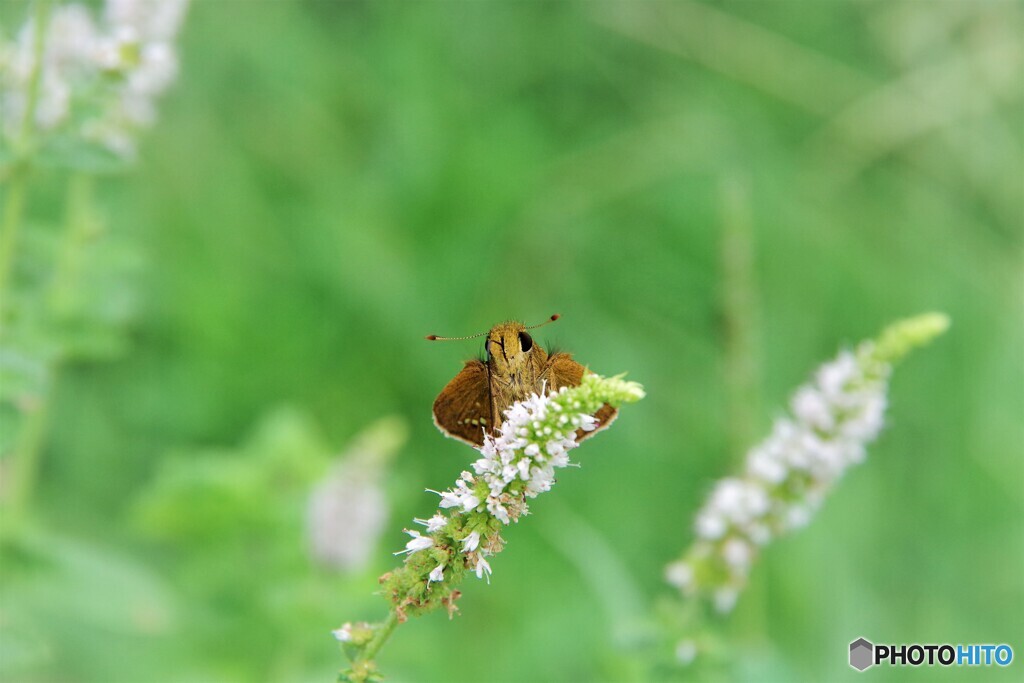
382,635
28,447
364,665
25,459
14,207
80,223
740,314
739,303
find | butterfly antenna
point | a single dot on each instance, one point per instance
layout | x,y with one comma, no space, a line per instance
549,320
434,337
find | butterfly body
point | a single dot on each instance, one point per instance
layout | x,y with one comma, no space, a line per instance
475,401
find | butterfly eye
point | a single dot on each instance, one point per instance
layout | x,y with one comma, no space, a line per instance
525,341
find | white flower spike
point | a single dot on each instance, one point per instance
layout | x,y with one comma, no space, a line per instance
99,77
786,477
518,463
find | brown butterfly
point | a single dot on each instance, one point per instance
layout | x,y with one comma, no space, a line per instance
474,402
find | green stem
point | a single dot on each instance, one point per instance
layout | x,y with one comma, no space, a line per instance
364,666
14,207
25,459
28,447
80,224
381,637
740,315
742,367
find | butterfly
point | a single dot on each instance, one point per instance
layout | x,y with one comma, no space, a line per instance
475,401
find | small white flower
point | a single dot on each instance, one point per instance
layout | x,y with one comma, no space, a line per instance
679,574
523,469
498,510
463,496
436,574
737,553
482,569
587,423
448,499
686,652
556,448
343,634
151,19
471,542
764,464
798,516
434,524
725,599
156,70
810,406
541,479
710,525
738,501
833,377
417,543
867,422
114,51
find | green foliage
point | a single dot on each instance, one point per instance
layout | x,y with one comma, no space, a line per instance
60,593
232,526
330,181
200,497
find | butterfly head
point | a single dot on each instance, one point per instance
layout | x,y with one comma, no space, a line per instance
508,347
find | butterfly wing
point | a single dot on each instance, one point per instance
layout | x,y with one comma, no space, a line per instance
463,408
563,371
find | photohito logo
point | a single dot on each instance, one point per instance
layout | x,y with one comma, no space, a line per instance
865,654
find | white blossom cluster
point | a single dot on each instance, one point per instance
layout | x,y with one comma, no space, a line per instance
98,78
786,477
347,512
533,441
348,508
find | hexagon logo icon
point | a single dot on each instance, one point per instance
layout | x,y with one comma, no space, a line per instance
861,654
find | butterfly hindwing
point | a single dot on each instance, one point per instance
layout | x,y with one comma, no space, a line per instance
463,408
563,371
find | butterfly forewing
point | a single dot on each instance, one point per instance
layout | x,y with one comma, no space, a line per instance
463,408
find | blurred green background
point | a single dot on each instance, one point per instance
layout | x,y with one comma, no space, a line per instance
715,196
